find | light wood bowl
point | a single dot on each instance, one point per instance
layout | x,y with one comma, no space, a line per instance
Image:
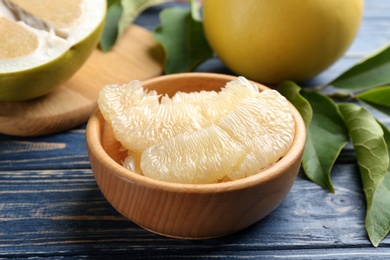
189,211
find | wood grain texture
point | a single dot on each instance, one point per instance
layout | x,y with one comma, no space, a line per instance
65,151
62,213
51,207
136,56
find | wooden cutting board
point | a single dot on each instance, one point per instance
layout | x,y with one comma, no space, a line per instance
135,56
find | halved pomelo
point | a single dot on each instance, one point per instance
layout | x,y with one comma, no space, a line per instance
44,42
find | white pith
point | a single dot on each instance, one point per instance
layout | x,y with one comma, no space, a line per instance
52,46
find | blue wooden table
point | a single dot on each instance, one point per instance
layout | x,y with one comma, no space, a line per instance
51,207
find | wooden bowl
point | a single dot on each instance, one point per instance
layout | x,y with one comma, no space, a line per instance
189,211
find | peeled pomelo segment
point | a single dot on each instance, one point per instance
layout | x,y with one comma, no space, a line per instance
214,104
194,98
206,102
230,95
16,40
142,126
264,126
203,156
199,137
139,120
114,100
132,162
238,89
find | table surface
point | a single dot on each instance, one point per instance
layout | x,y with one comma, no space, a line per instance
51,207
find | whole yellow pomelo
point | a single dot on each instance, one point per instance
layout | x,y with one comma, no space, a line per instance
274,40
44,42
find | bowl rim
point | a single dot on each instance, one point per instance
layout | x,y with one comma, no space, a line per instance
94,129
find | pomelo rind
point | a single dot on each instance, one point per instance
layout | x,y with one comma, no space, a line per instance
43,79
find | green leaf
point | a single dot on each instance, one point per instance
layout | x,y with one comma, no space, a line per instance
371,150
291,91
372,71
325,138
120,14
372,143
379,96
183,40
378,212
110,30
